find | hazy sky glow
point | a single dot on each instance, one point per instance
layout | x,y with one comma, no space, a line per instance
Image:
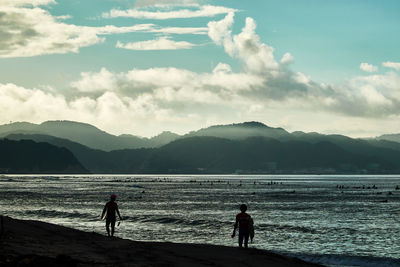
145,66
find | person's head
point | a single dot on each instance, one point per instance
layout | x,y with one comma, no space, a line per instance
243,208
113,197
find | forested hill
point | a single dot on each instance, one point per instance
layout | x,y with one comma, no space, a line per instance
27,156
206,155
249,147
86,134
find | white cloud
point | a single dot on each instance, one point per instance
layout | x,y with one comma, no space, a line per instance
162,43
26,2
195,12
221,81
63,17
179,30
146,3
220,32
368,67
151,28
373,97
388,84
256,56
111,29
393,65
222,67
27,32
96,82
31,103
287,59
301,78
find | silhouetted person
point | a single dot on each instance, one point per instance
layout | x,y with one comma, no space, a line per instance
109,211
245,224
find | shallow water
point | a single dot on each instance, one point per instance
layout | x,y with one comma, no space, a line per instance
306,216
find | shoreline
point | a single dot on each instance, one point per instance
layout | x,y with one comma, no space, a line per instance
35,243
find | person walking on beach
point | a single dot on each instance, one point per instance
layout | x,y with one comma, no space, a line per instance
245,224
109,211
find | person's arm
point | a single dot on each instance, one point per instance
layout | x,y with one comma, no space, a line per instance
119,215
235,227
251,228
104,211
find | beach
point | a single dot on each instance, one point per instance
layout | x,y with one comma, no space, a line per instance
35,243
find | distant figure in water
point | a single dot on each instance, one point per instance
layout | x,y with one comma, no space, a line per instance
246,227
109,211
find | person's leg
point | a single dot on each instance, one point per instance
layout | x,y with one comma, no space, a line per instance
240,238
108,227
112,227
246,239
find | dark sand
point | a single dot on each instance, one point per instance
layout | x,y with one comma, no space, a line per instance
33,243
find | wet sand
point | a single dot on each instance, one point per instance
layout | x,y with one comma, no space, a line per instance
34,243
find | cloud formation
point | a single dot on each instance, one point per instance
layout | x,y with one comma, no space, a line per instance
246,46
178,30
26,32
393,65
147,3
32,31
177,99
374,95
162,43
368,67
195,11
26,2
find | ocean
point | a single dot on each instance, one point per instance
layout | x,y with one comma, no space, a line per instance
344,220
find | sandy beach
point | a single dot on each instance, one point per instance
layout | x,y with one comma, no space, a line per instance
34,243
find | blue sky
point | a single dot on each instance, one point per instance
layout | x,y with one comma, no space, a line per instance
145,66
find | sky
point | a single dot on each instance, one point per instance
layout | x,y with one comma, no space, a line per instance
142,67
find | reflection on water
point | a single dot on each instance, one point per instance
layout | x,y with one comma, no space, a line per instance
292,214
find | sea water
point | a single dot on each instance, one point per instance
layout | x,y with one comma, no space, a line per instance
333,220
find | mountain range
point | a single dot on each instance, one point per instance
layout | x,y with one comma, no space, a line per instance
249,147
86,134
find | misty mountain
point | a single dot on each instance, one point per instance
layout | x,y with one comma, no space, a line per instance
257,129
95,160
163,139
263,155
249,147
92,137
354,145
18,126
27,156
390,137
86,134
156,141
242,131
205,154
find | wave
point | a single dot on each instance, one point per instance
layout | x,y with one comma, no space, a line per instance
285,228
49,178
134,186
163,220
182,221
58,214
348,260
